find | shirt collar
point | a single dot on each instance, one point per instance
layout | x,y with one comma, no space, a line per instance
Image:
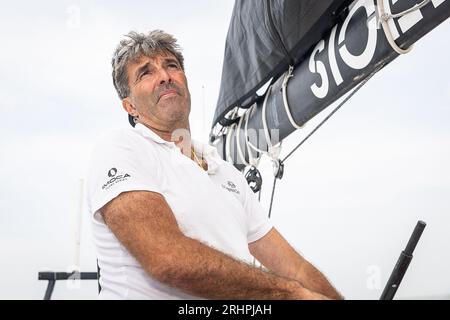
209,153
148,133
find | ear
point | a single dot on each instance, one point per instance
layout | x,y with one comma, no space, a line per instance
128,107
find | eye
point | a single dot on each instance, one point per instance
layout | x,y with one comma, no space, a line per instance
173,65
143,73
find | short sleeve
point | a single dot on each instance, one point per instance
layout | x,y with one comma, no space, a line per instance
258,222
121,162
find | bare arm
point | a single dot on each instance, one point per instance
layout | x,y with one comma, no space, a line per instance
144,223
276,254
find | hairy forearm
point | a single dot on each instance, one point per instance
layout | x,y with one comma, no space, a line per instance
311,278
203,271
276,254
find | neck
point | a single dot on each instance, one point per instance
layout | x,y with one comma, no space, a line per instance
180,135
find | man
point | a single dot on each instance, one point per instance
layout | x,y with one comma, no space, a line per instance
171,219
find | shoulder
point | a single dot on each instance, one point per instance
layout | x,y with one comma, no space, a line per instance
124,148
126,140
118,137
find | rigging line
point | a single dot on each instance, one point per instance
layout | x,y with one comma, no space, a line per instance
273,193
333,112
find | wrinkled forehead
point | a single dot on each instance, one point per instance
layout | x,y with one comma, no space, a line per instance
156,55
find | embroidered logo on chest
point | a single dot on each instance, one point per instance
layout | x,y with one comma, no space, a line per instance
230,186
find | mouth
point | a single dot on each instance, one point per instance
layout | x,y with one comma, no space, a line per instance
167,93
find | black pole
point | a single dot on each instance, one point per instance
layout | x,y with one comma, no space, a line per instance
402,263
98,279
52,277
49,291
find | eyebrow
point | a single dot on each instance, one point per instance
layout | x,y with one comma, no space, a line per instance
170,60
140,70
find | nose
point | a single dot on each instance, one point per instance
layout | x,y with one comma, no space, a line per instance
164,76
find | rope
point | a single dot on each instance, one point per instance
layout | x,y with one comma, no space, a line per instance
289,74
264,120
385,17
414,8
273,151
238,143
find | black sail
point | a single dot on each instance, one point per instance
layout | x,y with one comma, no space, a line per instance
266,36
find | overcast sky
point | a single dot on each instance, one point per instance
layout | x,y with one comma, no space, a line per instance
349,199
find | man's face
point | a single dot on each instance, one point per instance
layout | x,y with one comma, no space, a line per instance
159,92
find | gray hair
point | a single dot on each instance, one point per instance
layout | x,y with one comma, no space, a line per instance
138,45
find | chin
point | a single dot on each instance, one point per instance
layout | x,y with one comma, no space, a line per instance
175,110
174,114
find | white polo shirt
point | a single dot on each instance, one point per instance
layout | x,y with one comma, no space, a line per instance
216,207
